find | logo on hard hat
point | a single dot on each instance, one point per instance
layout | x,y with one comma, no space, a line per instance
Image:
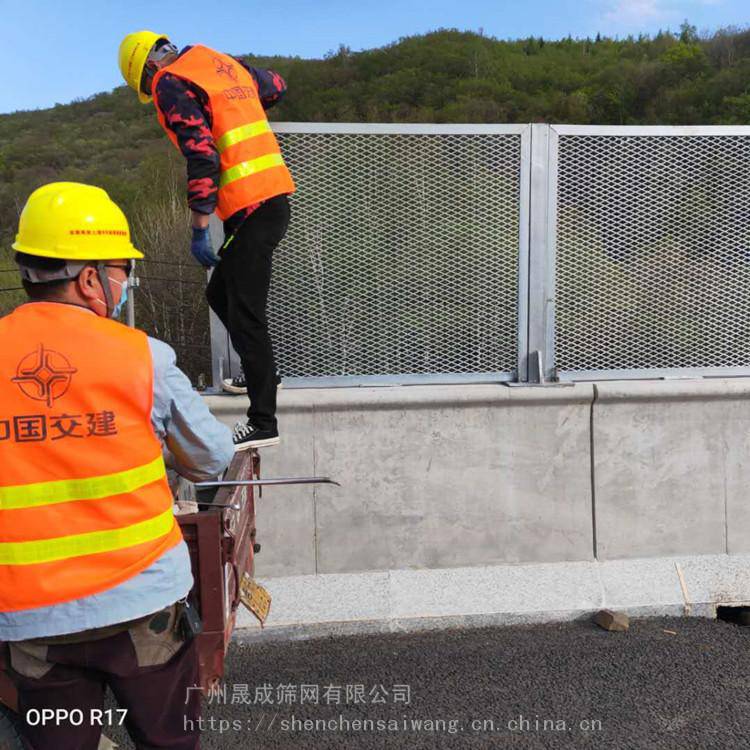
226,69
44,375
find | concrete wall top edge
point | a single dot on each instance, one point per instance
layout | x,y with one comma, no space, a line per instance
709,389
300,400
413,397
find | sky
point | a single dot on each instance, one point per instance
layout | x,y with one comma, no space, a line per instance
55,51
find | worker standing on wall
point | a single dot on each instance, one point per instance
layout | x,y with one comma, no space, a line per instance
94,572
212,107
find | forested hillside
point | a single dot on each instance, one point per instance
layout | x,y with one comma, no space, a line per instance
447,76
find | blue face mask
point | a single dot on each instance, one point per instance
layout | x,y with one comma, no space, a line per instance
123,297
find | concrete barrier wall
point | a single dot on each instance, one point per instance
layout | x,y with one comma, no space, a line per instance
432,477
441,478
671,469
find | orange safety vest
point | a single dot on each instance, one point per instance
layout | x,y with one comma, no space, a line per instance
84,499
252,168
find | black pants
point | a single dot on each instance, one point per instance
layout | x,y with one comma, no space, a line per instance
238,294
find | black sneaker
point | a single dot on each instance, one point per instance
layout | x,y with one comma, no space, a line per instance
246,436
237,385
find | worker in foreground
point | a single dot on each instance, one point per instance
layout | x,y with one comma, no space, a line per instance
212,107
94,572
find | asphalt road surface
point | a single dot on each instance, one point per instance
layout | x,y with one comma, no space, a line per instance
667,683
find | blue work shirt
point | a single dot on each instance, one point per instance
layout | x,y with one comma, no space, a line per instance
198,447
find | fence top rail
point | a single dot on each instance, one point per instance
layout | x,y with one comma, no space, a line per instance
653,130
377,128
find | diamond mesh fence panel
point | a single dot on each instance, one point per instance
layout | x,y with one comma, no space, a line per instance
653,252
401,256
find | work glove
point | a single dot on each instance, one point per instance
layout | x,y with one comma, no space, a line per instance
201,248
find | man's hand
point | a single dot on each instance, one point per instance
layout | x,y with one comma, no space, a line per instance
201,248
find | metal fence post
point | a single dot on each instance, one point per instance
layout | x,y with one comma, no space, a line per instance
219,336
540,357
524,223
130,302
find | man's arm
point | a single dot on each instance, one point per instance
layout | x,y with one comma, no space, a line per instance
185,116
200,446
271,86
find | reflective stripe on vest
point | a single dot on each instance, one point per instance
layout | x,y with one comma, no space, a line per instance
246,168
77,545
67,490
242,133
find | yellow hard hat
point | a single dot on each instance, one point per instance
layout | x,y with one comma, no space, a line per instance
71,221
134,49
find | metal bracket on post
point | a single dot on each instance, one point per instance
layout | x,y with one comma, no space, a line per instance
536,368
537,378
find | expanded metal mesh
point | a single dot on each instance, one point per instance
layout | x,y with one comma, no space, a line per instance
401,257
653,252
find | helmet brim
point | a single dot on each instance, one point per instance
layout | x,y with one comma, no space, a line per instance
59,253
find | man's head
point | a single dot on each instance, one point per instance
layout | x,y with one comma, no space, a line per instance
142,54
73,245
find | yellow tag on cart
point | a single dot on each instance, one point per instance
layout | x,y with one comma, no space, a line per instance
255,598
